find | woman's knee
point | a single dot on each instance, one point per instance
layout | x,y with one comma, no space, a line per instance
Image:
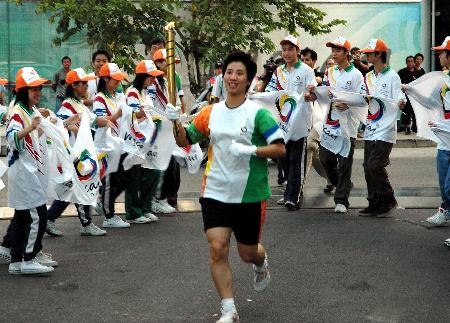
218,250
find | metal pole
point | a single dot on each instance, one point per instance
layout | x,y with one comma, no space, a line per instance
8,44
170,49
433,33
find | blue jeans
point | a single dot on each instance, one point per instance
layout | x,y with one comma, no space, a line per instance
443,170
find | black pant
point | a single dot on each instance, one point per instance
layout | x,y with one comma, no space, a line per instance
171,181
26,231
57,208
376,158
113,185
295,169
339,172
408,118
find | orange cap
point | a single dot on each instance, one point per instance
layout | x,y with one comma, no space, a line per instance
78,74
148,67
340,42
3,81
113,71
375,45
289,39
161,54
28,77
445,45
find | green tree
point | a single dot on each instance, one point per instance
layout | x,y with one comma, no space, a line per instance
207,29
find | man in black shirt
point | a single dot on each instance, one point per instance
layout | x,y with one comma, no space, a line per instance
407,75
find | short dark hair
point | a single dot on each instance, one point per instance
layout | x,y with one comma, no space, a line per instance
101,52
419,55
408,57
22,96
354,49
64,58
139,80
305,51
244,58
157,40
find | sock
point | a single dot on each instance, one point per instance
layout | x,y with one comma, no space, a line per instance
228,304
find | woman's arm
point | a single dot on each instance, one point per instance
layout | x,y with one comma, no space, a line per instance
275,150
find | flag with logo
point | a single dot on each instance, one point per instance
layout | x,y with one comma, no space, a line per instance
336,132
381,117
190,157
158,150
426,100
291,112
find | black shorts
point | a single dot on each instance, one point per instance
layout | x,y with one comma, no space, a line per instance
245,219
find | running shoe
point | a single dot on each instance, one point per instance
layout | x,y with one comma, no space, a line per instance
228,317
45,259
161,206
5,254
340,208
115,222
15,268
92,230
139,220
152,217
439,218
52,230
32,267
261,277
447,243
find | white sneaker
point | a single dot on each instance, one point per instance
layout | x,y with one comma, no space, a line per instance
228,317
340,208
14,268
92,230
115,222
439,218
5,254
161,206
152,217
261,277
33,267
281,201
52,230
140,220
447,243
45,259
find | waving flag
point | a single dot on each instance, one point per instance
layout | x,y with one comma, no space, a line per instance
190,157
425,97
291,112
381,118
442,131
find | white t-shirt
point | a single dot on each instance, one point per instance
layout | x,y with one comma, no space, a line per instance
231,179
340,126
219,91
27,162
386,84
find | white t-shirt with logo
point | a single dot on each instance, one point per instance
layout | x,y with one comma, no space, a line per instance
386,84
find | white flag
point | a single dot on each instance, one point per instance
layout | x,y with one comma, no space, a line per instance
291,112
425,97
190,157
442,130
381,119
